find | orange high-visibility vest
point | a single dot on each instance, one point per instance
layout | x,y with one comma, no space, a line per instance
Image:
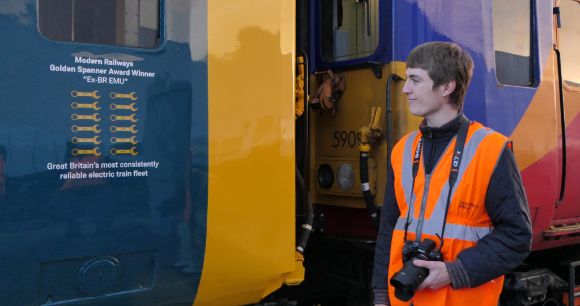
467,219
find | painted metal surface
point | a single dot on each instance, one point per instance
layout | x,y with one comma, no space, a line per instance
336,137
250,223
121,191
198,189
529,115
85,219
515,111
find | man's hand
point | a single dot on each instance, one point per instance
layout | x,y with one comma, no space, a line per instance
438,275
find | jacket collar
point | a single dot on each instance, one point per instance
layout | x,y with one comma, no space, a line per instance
446,131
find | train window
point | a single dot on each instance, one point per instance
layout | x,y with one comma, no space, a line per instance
349,29
133,23
569,41
512,32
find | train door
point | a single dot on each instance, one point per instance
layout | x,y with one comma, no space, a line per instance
524,100
350,39
567,214
349,43
96,125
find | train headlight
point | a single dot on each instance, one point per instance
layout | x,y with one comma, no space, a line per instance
325,176
345,177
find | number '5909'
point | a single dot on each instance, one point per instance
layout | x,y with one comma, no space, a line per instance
340,139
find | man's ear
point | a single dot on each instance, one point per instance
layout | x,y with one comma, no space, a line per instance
448,88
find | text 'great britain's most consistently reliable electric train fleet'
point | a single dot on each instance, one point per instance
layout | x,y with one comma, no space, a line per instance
185,152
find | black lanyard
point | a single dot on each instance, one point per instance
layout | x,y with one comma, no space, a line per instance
453,173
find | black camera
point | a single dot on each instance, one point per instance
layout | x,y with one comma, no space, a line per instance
408,279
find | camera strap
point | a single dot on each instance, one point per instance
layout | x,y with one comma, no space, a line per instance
453,173
416,158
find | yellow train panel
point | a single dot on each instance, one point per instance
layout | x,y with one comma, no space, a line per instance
250,225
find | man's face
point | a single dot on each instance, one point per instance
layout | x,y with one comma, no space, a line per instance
424,101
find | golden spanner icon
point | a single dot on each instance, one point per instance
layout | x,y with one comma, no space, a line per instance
131,118
78,128
94,140
94,152
131,140
93,94
131,151
115,106
94,117
118,95
131,129
94,105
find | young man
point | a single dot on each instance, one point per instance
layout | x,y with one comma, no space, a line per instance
482,221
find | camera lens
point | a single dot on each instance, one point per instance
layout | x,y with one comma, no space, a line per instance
408,280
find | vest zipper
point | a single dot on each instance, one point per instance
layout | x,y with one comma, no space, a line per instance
419,230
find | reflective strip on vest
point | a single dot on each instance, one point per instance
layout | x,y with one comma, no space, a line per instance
452,231
407,171
434,224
